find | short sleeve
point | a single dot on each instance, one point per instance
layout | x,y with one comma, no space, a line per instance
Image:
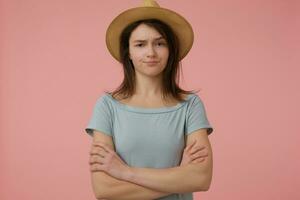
196,117
101,119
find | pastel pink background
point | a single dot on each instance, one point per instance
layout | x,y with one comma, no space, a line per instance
54,65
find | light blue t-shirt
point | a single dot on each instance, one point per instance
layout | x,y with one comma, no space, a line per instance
149,137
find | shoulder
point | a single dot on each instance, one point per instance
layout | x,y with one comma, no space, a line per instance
195,99
105,98
192,99
104,102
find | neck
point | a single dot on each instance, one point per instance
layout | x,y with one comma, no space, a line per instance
148,86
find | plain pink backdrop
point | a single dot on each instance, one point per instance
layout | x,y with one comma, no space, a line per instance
54,65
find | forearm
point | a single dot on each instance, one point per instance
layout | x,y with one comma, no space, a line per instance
131,191
110,188
179,179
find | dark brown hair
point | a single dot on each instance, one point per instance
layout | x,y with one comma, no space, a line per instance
170,76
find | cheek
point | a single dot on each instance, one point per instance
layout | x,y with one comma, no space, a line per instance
135,55
136,59
164,51
166,54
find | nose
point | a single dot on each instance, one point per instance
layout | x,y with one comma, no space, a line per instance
151,51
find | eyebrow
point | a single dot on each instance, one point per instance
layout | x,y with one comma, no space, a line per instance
161,37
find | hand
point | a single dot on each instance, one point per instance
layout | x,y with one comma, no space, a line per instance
193,154
105,159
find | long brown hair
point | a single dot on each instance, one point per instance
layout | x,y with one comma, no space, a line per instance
170,78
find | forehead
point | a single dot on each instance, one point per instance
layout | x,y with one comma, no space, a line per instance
144,32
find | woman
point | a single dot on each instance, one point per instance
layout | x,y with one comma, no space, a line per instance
143,146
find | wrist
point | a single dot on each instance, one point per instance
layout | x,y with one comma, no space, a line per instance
128,174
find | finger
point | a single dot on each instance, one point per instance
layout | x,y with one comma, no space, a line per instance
96,159
102,145
95,149
93,168
98,151
193,157
198,160
96,167
98,143
95,153
197,148
200,153
93,159
190,146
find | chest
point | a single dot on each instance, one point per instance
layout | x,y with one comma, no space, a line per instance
146,102
150,140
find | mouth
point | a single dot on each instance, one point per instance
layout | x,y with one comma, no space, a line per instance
152,62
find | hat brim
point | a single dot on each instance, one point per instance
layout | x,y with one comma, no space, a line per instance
178,24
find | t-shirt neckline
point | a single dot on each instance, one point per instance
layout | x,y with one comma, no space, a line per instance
148,110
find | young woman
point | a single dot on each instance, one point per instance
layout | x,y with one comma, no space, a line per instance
150,137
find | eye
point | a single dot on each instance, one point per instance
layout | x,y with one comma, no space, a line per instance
160,43
139,45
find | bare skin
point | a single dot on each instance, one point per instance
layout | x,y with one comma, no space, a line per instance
147,95
105,159
191,154
149,102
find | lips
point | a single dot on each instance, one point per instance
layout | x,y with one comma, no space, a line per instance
152,62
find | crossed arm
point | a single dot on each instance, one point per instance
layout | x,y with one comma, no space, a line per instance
107,187
149,183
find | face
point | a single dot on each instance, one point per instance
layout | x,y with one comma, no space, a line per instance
148,50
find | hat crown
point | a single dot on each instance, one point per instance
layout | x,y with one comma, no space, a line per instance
150,3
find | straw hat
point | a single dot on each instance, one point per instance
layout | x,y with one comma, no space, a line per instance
149,10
